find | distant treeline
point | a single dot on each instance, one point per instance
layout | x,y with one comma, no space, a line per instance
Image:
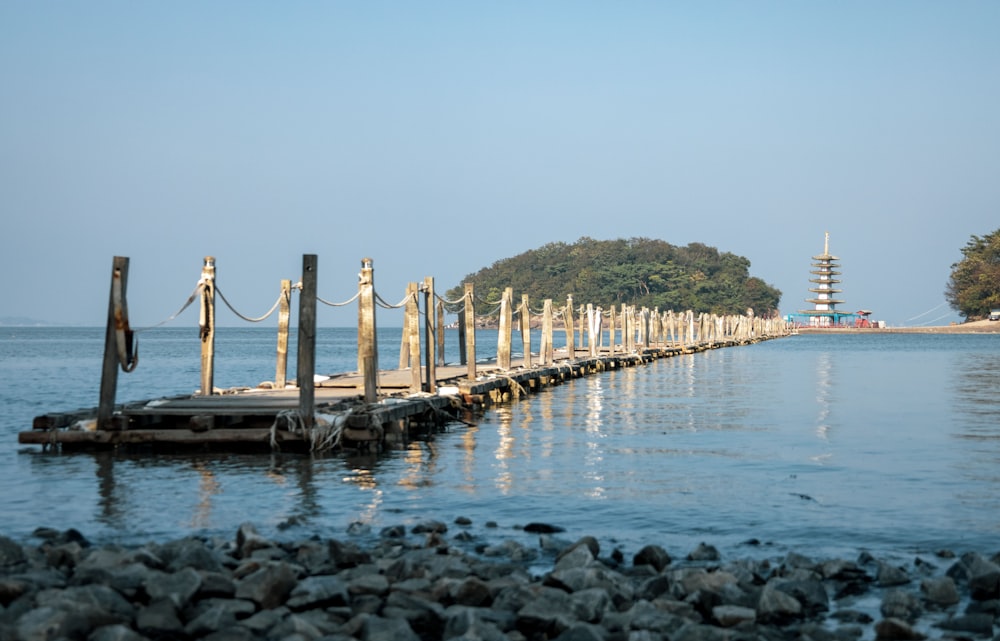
639,271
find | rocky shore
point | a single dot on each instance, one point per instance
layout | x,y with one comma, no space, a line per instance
434,581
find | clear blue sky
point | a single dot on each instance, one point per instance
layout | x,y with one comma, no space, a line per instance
439,137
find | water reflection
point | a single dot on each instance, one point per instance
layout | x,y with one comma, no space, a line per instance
594,455
824,393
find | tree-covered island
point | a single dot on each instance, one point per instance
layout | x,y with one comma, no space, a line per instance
638,271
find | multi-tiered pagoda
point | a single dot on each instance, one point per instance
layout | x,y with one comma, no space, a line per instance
825,313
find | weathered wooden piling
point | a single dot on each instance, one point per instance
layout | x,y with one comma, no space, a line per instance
306,359
208,326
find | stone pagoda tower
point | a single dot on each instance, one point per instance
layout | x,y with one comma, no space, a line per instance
825,313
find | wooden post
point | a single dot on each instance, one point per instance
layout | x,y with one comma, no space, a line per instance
580,338
525,331
470,330
109,369
611,330
208,326
367,344
503,342
546,348
306,360
411,335
429,335
591,339
284,306
440,333
570,331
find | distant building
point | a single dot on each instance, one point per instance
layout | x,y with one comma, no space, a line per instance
824,313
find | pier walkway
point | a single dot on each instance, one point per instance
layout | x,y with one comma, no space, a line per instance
374,408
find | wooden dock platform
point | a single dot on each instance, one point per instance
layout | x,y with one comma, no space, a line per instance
255,419
369,407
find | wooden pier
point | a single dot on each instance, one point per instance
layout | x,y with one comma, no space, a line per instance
370,408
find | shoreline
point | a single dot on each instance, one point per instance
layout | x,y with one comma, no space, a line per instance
973,327
434,581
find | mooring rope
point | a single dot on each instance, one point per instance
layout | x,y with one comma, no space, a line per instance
247,318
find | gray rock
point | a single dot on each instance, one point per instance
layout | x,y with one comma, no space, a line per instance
940,592
704,552
890,575
345,554
380,629
97,605
190,553
375,584
652,555
984,579
179,587
48,623
893,629
647,617
776,606
116,632
318,592
980,624
589,605
429,527
269,586
471,623
583,632
810,593
471,591
899,604
249,541
11,554
159,620
549,613
577,556
729,615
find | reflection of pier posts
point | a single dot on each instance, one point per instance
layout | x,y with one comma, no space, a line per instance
306,361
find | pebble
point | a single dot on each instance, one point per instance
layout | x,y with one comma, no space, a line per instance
419,585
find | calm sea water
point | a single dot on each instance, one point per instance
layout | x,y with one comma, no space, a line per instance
820,444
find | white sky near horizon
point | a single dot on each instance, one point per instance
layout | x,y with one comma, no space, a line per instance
439,137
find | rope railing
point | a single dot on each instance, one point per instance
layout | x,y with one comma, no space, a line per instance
248,319
346,302
187,303
383,304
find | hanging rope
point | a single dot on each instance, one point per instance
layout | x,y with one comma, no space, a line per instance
191,299
246,318
381,301
451,302
346,302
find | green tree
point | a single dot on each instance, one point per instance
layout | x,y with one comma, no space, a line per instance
974,286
